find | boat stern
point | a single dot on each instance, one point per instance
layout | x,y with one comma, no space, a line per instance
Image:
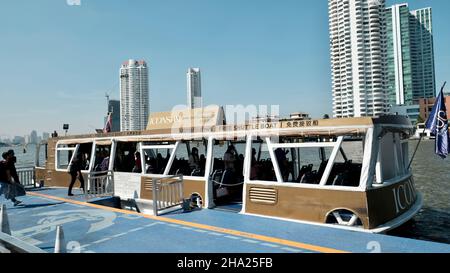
393,204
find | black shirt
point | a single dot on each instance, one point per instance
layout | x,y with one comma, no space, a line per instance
76,165
4,167
12,168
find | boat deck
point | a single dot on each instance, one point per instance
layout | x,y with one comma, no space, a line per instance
92,228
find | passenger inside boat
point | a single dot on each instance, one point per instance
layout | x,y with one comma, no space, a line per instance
190,159
155,162
227,172
125,157
102,153
85,149
137,163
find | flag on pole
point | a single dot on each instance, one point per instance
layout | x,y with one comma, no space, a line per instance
108,125
437,123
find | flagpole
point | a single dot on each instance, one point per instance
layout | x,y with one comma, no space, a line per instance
421,137
417,148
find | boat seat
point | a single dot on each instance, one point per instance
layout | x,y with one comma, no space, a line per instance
304,170
197,172
341,179
309,178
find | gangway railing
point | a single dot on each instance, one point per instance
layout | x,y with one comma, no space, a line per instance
99,184
167,193
27,176
10,244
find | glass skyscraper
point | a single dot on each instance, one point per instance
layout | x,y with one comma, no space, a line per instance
410,54
194,88
422,53
114,109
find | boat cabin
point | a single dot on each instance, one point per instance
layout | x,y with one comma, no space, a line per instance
350,173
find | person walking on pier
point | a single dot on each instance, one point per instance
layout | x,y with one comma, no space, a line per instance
75,171
12,165
9,186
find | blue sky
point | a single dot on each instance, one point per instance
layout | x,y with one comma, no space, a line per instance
57,61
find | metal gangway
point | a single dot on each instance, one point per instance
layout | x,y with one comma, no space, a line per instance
99,184
167,193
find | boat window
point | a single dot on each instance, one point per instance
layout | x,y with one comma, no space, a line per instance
64,154
190,159
156,160
393,157
261,165
347,167
303,165
305,161
102,157
405,151
124,160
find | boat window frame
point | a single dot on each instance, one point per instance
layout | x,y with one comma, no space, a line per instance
73,149
160,146
399,155
92,159
337,145
37,160
210,159
207,147
114,146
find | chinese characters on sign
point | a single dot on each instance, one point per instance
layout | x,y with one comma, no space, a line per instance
301,123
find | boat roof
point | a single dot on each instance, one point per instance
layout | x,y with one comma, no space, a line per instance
288,127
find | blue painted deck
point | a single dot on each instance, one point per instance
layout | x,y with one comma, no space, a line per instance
93,229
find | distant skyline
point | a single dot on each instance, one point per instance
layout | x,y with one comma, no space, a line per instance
59,60
32,137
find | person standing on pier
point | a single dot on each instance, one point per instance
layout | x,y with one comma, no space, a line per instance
75,171
8,185
12,166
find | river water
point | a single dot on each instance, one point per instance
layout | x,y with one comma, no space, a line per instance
432,177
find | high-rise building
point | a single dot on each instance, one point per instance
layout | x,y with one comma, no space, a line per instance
194,88
358,57
410,55
33,137
134,95
114,109
422,54
400,83
45,136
